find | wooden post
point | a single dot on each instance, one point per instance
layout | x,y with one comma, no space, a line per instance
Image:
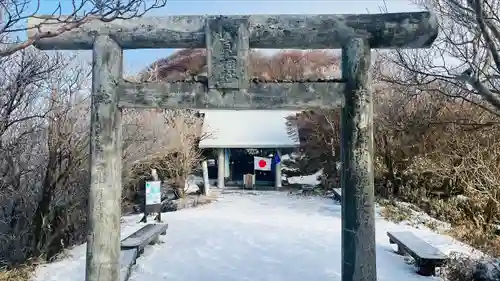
220,168
154,175
104,210
206,183
358,213
277,181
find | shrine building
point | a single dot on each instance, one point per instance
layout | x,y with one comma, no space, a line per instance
236,137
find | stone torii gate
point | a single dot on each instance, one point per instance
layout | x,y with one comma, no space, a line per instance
228,40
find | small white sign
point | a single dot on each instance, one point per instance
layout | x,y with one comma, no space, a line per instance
153,192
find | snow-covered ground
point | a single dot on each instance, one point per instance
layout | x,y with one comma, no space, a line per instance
254,236
306,180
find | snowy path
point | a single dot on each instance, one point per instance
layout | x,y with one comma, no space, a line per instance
269,236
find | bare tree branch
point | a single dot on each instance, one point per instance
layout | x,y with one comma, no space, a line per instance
16,12
465,56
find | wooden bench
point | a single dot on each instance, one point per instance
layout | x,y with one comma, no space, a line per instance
426,256
148,234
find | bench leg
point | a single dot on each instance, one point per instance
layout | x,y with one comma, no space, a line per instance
400,251
140,251
155,240
158,217
427,270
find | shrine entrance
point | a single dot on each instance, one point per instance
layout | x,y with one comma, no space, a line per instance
227,85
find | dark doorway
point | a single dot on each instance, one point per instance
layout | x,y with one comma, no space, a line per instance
241,163
242,159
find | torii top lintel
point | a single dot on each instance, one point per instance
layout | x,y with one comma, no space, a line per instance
388,30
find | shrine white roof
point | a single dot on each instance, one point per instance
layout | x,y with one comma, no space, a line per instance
247,129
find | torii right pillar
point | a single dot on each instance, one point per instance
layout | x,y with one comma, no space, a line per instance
358,202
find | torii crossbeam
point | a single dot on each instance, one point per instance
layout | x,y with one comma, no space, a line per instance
228,40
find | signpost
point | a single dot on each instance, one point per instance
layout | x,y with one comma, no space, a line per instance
152,197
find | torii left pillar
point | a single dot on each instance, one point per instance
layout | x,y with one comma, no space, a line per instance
104,210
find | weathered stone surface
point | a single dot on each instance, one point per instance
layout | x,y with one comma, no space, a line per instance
103,242
258,96
388,30
228,49
357,181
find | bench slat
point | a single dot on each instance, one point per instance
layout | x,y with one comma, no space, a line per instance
143,236
417,247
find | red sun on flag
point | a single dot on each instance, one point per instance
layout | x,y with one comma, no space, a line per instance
262,163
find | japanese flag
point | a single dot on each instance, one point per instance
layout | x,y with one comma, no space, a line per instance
261,163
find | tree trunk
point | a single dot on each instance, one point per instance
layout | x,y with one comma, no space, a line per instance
390,169
43,208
